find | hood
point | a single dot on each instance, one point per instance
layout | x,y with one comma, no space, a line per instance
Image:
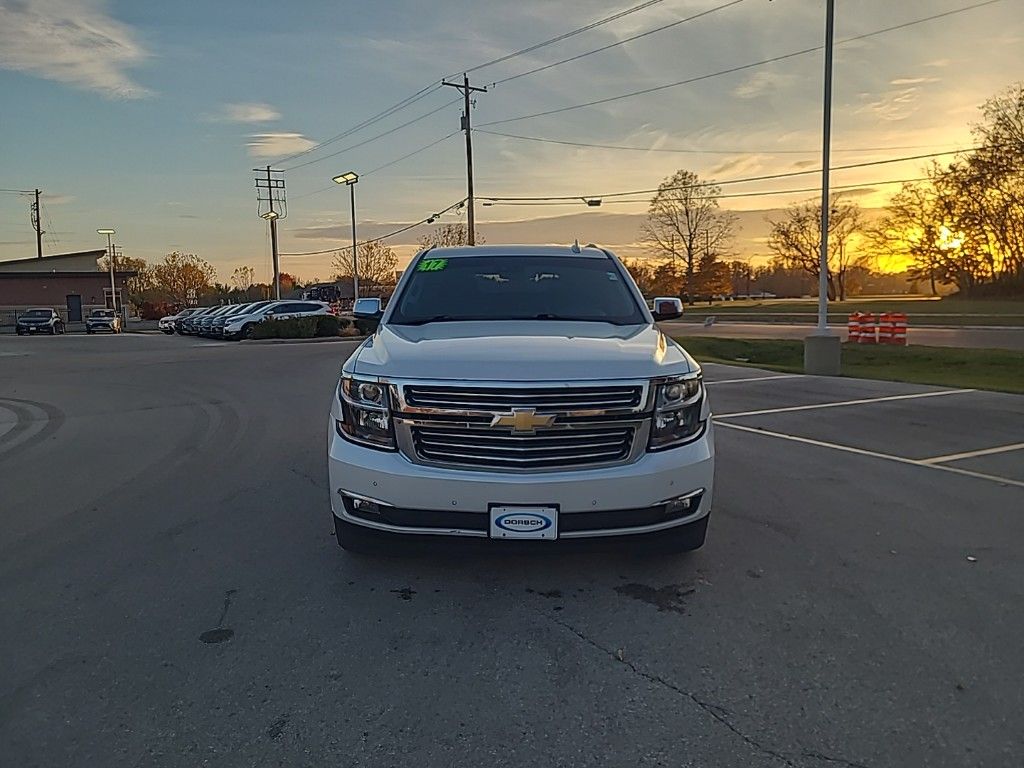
527,350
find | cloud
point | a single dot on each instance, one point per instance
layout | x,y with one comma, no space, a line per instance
277,144
895,105
246,112
73,42
57,199
761,83
913,80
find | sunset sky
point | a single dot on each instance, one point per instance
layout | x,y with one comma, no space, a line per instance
148,117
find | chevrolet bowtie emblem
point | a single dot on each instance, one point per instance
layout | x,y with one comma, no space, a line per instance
523,420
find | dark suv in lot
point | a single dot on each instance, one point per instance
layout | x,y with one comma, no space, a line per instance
39,321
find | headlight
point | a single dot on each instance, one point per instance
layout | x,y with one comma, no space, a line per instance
366,418
677,412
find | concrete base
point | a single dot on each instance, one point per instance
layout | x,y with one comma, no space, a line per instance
822,355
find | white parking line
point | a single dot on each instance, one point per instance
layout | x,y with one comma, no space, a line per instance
872,454
756,378
972,454
864,401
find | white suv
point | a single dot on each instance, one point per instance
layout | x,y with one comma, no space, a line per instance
520,392
241,326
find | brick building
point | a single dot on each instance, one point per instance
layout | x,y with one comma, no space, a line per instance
70,283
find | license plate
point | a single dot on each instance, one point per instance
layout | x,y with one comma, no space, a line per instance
524,523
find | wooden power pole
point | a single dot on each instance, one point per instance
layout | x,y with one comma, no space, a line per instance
467,126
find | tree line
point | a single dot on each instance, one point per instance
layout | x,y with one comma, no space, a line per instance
962,226
184,279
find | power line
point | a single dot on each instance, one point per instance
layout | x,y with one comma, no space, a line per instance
18,191
381,167
748,179
765,193
702,151
561,37
428,220
740,68
408,101
619,42
374,138
426,91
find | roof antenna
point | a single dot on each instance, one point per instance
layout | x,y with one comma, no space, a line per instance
576,245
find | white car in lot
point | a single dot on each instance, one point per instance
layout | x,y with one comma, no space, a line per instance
242,326
520,392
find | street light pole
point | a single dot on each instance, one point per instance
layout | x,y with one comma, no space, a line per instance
110,257
350,179
823,349
355,250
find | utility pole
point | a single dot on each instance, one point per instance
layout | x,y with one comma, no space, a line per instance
823,349
467,126
274,186
37,225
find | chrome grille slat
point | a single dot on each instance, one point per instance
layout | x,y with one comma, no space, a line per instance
540,407
612,444
543,449
541,398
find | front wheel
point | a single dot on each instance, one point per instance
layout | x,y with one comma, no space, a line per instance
249,331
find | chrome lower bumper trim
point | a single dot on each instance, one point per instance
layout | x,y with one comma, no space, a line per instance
596,533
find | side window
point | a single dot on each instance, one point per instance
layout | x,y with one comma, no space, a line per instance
310,307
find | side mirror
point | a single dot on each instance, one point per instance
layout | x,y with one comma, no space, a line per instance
668,308
367,314
367,309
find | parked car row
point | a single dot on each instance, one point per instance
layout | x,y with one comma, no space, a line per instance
48,320
237,321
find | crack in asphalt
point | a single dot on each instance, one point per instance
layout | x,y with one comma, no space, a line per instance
717,712
227,604
840,760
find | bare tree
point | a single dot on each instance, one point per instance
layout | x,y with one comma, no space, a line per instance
796,239
243,277
684,222
377,263
448,235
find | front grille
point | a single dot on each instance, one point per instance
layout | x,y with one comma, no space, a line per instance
541,399
495,449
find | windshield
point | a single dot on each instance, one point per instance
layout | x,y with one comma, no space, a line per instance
38,313
103,313
579,288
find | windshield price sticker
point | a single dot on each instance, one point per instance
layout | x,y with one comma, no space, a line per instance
432,265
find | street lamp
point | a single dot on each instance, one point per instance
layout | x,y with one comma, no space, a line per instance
349,179
110,255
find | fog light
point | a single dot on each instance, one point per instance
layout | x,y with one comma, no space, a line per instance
365,506
682,505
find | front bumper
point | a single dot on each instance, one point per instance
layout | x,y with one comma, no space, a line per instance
610,501
34,328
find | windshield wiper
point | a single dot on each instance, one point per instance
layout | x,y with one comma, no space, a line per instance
567,318
436,319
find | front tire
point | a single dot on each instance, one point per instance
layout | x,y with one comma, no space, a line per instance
248,331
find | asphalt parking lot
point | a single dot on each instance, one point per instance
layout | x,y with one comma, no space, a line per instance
171,592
